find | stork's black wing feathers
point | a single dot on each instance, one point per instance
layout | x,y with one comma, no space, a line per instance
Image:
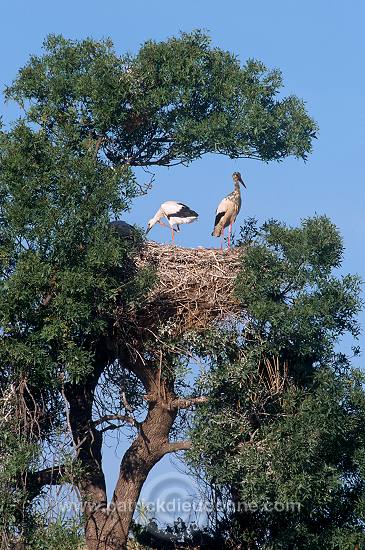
184,212
218,217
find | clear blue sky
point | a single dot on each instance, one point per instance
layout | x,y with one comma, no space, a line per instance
318,46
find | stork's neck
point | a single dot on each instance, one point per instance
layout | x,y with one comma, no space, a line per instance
159,214
237,187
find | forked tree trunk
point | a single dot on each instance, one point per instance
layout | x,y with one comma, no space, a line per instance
109,529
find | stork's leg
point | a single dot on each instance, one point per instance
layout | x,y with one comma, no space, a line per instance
229,236
222,238
173,235
163,224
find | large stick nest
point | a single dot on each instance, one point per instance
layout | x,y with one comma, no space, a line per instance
195,286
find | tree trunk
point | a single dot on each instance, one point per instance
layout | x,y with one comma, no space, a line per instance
107,527
88,443
110,531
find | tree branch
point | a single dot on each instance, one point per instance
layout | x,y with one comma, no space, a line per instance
48,476
46,300
110,427
133,361
189,402
98,144
121,417
177,446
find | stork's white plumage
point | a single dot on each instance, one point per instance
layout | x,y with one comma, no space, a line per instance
176,213
228,210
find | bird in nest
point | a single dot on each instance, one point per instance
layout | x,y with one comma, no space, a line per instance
228,210
176,213
123,229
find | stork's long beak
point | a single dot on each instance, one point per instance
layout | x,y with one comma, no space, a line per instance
148,229
243,183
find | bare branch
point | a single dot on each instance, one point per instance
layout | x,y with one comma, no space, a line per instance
126,404
110,427
46,300
121,417
134,362
180,403
189,402
98,143
68,420
48,476
147,186
178,446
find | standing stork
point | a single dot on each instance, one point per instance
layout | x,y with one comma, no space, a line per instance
228,210
176,213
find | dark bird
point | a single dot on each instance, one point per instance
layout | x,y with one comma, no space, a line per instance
123,229
176,213
228,210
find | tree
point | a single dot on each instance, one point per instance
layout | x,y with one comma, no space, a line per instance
171,103
283,431
67,279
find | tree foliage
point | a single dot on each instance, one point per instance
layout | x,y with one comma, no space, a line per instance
170,103
283,429
294,300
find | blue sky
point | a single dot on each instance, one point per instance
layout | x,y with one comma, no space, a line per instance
318,46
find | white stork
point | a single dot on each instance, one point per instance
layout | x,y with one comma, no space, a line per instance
228,210
176,213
